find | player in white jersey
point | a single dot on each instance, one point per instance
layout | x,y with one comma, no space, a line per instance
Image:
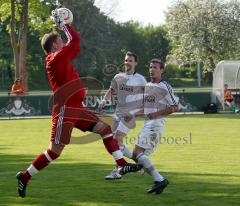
129,88
159,101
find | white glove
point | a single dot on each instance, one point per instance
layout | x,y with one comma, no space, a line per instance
59,21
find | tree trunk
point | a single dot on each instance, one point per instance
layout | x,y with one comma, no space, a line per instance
23,45
14,40
20,46
211,64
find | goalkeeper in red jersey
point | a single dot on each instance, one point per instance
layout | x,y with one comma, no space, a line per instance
68,111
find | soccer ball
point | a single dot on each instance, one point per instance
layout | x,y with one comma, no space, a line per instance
66,14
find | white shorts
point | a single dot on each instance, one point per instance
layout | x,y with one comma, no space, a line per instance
149,138
121,125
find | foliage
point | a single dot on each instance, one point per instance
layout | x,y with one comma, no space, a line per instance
6,70
182,76
39,11
204,31
103,41
20,17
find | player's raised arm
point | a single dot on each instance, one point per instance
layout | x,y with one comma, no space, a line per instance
72,47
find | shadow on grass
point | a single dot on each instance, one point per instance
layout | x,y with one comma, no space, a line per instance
71,183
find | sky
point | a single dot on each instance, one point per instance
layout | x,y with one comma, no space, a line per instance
144,11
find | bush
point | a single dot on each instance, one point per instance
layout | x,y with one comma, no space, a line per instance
171,71
183,82
188,72
174,71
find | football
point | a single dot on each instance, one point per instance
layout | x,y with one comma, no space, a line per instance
66,14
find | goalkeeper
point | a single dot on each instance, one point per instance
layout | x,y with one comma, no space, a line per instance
68,111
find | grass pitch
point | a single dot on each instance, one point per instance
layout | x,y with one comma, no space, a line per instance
198,154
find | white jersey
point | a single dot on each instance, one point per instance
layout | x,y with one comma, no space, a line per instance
157,96
129,89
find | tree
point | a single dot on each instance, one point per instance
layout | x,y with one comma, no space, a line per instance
20,16
103,41
204,31
5,59
19,46
157,42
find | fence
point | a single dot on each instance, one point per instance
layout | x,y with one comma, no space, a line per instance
39,103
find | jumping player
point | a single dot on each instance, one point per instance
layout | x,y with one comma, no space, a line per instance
128,87
68,110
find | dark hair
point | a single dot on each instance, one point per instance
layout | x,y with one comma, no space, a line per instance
158,61
133,55
48,40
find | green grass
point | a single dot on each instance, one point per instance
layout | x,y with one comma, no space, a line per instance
205,171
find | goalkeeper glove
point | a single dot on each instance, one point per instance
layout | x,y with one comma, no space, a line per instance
59,21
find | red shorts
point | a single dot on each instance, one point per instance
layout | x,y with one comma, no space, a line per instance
68,118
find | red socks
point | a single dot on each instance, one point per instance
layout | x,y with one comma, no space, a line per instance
112,147
41,161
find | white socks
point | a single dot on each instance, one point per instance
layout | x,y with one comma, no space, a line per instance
32,170
126,152
145,161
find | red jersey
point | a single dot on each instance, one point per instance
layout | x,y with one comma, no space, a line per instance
59,67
